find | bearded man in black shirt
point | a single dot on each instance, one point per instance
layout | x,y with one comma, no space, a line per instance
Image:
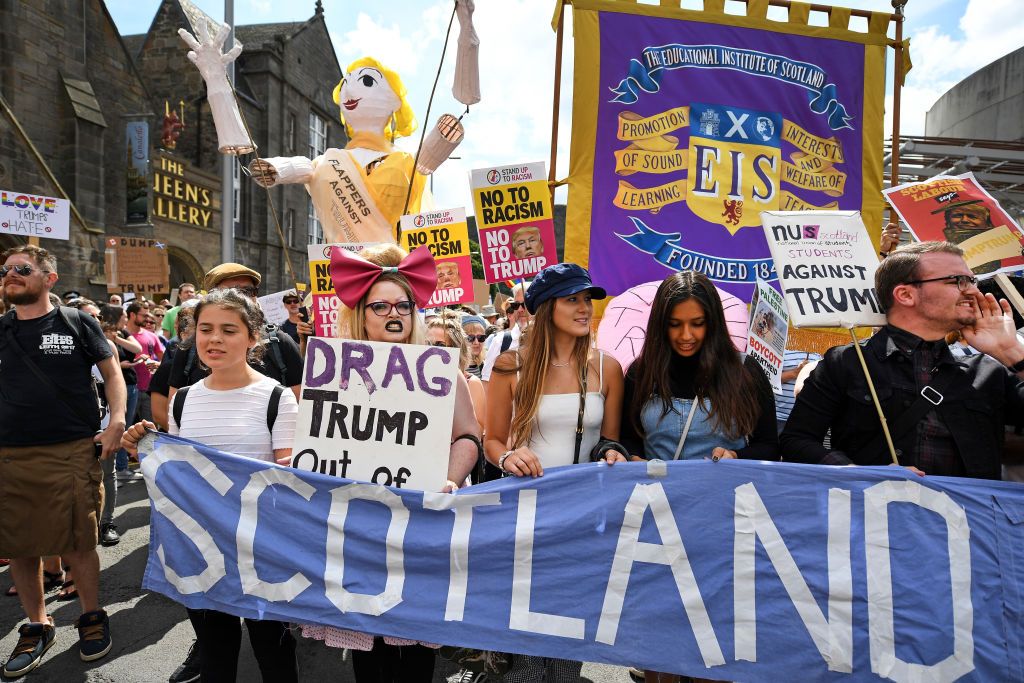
50,447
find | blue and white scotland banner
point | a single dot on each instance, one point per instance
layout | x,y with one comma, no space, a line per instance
731,570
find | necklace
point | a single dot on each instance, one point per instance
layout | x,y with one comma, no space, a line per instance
560,365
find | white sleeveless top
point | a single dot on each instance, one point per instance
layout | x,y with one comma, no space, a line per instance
554,428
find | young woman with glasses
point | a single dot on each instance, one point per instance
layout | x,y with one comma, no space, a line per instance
386,312
475,328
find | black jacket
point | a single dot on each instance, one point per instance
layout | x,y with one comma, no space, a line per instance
979,393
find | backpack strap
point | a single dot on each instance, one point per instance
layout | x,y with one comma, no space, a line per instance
178,405
190,360
70,316
275,402
274,345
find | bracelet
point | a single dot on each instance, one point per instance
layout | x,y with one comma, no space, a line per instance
501,460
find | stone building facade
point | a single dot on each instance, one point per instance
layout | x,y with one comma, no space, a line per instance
69,84
73,83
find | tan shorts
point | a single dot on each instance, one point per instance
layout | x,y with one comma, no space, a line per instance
50,498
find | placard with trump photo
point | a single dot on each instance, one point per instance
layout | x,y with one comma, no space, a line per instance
957,209
445,233
515,221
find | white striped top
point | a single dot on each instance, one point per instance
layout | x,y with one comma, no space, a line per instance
235,420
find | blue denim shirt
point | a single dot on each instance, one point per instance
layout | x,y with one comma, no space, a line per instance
662,432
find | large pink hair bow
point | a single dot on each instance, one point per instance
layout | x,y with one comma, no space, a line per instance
353,275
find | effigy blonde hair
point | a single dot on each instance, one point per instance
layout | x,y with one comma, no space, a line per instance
403,121
384,255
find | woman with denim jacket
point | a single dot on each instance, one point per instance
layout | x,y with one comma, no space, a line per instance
690,395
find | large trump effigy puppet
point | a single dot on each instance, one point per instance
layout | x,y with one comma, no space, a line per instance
361,191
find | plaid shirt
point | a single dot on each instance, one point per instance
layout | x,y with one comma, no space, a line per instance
936,451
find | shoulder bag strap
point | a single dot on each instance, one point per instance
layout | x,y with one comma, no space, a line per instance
41,376
579,418
686,429
931,396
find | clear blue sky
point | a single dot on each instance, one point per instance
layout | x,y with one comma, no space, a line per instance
950,40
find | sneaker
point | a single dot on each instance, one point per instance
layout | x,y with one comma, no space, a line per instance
467,676
93,635
109,535
189,669
125,476
637,674
35,640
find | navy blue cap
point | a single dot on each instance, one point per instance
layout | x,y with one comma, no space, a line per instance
561,279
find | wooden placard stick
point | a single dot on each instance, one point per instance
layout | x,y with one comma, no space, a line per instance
874,397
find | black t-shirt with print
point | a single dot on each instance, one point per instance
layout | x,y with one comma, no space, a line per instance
30,411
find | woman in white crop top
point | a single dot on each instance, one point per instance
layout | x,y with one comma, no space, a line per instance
228,410
534,396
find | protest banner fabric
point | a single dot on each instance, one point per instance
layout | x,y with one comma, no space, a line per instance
24,214
514,220
958,209
769,326
789,572
446,234
136,264
662,180
377,412
826,266
326,304
273,308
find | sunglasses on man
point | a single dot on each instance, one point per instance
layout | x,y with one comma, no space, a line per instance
514,306
23,270
288,300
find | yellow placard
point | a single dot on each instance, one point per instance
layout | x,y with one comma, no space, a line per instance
508,204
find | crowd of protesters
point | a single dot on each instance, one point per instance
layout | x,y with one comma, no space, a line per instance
532,393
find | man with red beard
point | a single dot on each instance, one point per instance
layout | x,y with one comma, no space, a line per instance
50,450
946,416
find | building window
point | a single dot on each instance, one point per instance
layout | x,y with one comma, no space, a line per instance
315,231
317,136
291,133
289,228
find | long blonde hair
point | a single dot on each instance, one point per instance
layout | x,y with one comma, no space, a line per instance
534,356
384,255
